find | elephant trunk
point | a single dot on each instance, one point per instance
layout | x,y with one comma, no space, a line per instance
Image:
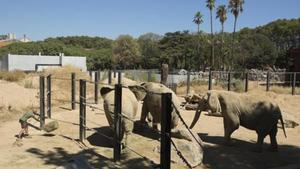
196,118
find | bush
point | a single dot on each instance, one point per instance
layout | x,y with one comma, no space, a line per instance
12,76
238,85
28,84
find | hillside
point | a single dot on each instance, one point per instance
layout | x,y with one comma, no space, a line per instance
261,47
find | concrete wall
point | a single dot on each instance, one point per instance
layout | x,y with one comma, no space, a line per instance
30,62
4,63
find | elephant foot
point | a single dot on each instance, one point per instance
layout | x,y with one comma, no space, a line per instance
273,149
257,149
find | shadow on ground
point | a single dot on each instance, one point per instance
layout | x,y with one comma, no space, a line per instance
60,157
241,156
102,137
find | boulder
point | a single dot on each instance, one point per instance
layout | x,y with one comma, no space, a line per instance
51,126
192,151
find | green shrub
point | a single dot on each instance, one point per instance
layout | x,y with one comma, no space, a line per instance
28,84
12,76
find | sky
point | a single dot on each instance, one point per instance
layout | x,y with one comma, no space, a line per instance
40,19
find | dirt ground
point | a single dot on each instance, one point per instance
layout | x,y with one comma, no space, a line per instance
44,150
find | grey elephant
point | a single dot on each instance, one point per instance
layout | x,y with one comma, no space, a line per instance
150,94
129,109
245,110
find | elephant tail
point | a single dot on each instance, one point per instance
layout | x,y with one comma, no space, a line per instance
281,120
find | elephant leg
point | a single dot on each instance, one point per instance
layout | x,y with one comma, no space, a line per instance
273,133
144,114
260,140
229,127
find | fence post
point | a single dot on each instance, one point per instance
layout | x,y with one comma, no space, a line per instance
149,75
210,80
42,101
294,83
91,74
115,73
229,81
165,141
49,96
96,87
73,90
268,81
188,82
99,75
82,110
109,76
117,122
246,82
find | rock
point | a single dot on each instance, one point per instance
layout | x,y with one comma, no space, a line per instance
51,126
192,151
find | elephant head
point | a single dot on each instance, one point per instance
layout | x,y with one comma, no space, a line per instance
139,91
210,101
106,89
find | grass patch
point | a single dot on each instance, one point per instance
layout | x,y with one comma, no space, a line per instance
14,76
28,84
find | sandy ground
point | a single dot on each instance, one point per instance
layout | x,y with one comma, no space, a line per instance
44,150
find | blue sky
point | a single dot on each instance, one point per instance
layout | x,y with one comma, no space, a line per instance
39,19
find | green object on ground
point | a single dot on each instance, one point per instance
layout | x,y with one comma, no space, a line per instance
51,126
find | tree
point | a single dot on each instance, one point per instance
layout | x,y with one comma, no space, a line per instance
149,49
198,19
222,15
235,7
210,4
126,52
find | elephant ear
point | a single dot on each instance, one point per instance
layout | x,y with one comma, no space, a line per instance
213,102
139,91
106,89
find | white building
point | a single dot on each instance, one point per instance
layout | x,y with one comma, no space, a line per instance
38,62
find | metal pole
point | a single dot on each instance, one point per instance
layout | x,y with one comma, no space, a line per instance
229,81
82,86
49,96
115,73
117,122
268,82
188,83
149,75
109,76
209,80
96,87
246,82
119,77
165,141
294,83
73,91
42,101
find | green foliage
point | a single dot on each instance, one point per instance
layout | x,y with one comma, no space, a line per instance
261,47
150,52
14,76
126,52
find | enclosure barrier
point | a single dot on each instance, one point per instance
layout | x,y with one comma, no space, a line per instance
166,140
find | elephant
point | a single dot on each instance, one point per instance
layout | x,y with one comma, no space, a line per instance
245,110
150,94
129,109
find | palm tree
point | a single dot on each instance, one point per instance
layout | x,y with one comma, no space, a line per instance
222,15
210,4
198,19
235,7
